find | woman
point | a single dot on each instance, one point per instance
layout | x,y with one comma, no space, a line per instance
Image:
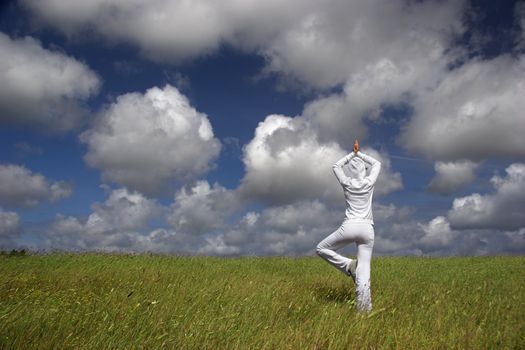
358,224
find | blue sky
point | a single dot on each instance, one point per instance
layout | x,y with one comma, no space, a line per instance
210,128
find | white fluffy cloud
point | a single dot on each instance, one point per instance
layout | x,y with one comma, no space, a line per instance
291,229
171,30
340,41
116,224
452,176
341,116
285,162
123,210
9,223
400,233
202,209
437,233
295,229
19,187
474,112
40,88
126,222
9,229
148,141
501,210
381,53
476,224
216,246
308,40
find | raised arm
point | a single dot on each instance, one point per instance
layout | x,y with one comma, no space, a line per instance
338,167
375,166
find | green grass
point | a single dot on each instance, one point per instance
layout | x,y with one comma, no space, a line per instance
97,301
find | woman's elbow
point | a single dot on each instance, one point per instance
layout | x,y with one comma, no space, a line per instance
376,167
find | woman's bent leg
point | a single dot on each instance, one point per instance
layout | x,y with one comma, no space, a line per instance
364,257
327,247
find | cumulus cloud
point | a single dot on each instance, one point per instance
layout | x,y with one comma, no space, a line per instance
341,116
216,246
198,225
202,208
123,210
9,229
400,232
397,231
296,228
146,141
126,222
310,41
474,112
386,212
441,239
452,176
437,233
20,187
379,52
73,234
42,89
116,224
374,54
9,223
320,47
164,30
501,210
291,229
285,162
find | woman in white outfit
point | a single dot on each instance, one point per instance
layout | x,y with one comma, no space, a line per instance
358,224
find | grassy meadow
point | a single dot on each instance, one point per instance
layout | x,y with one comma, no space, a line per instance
112,301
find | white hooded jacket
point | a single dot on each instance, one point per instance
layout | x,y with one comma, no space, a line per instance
358,187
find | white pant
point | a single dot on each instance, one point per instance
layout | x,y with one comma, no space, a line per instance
363,236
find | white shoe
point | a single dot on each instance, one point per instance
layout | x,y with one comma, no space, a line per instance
352,266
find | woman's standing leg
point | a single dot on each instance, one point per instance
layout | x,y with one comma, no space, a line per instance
327,247
364,257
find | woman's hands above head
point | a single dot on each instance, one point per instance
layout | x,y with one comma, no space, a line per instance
356,146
